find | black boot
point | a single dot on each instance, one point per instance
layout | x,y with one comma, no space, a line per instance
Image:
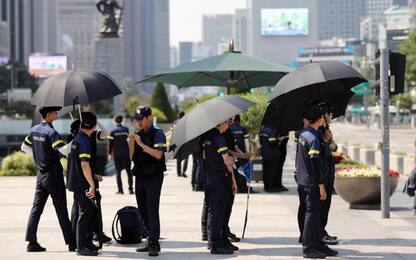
35,247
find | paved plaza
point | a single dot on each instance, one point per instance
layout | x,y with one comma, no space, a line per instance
272,231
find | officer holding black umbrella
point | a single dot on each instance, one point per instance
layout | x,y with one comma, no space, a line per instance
47,147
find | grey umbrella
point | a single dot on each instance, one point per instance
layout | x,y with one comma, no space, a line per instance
204,117
75,87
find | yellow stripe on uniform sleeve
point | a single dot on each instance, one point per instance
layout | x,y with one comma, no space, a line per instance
27,140
271,139
110,137
57,143
222,149
313,152
85,155
159,145
246,136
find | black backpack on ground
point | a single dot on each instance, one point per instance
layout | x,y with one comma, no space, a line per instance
127,226
410,186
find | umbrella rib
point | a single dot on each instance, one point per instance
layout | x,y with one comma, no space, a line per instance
245,79
212,75
189,80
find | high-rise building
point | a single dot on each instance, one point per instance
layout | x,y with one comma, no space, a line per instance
146,38
240,30
340,18
174,56
216,29
4,31
31,27
185,52
78,30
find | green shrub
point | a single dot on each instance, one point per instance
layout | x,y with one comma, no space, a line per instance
161,117
18,164
351,164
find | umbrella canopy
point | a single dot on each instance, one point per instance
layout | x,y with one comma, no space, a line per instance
75,87
330,82
204,117
231,69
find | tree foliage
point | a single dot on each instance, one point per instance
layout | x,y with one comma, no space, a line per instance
160,101
409,49
23,80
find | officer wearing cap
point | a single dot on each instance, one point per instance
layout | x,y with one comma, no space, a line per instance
149,149
218,166
47,147
269,141
119,151
310,186
81,182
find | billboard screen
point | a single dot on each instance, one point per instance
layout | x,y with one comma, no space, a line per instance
43,66
284,21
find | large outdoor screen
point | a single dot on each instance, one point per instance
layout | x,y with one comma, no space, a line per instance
43,66
284,21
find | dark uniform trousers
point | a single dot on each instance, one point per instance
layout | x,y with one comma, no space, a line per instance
282,159
326,204
219,212
86,219
98,223
204,215
271,172
309,220
55,187
148,199
179,163
123,164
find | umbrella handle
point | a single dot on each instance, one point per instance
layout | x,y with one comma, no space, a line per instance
79,111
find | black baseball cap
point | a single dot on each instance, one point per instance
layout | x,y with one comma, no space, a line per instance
118,118
142,112
313,113
89,120
45,110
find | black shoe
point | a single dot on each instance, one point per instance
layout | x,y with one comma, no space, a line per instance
204,238
283,188
274,190
72,247
331,237
233,237
328,251
142,249
314,254
153,249
104,237
87,252
120,192
209,245
221,251
131,192
184,175
90,245
199,188
35,247
229,245
329,241
300,241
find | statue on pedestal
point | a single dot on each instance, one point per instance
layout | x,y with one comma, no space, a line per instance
111,17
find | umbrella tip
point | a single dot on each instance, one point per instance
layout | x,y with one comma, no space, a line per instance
231,45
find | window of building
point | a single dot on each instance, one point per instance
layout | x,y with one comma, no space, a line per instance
3,9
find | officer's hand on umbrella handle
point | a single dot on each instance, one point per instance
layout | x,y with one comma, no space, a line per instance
98,178
249,155
322,192
90,193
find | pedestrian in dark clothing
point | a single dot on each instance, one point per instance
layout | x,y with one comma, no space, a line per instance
270,153
311,190
119,151
149,149
47,148
81,182
181,171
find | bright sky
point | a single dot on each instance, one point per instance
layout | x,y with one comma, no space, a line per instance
186,16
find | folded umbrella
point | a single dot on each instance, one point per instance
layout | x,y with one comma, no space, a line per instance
204,117
329,82
75,87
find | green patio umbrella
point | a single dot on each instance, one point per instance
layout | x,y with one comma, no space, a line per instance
230,69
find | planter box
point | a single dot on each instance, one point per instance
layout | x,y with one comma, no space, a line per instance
362,192
257,170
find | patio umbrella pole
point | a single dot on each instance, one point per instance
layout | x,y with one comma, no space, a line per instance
245,218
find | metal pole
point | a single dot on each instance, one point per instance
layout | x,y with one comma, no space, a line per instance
385,148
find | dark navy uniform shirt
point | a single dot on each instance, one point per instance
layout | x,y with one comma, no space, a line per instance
240,133
45,142
215,146
308,148
269,142
80,151
119,146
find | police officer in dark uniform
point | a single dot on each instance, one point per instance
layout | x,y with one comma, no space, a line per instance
310,186
220,182
119,151
149,149
181,171
270,153
47,147
81,182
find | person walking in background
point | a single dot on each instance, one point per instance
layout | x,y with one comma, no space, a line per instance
47,147
282,146
181,165
120,153
270,154
148,155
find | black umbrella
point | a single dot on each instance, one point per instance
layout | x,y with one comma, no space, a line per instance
75,88
330,82
204,117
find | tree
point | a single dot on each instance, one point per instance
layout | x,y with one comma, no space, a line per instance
409,49
24,79
404,100
160,101
130,104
